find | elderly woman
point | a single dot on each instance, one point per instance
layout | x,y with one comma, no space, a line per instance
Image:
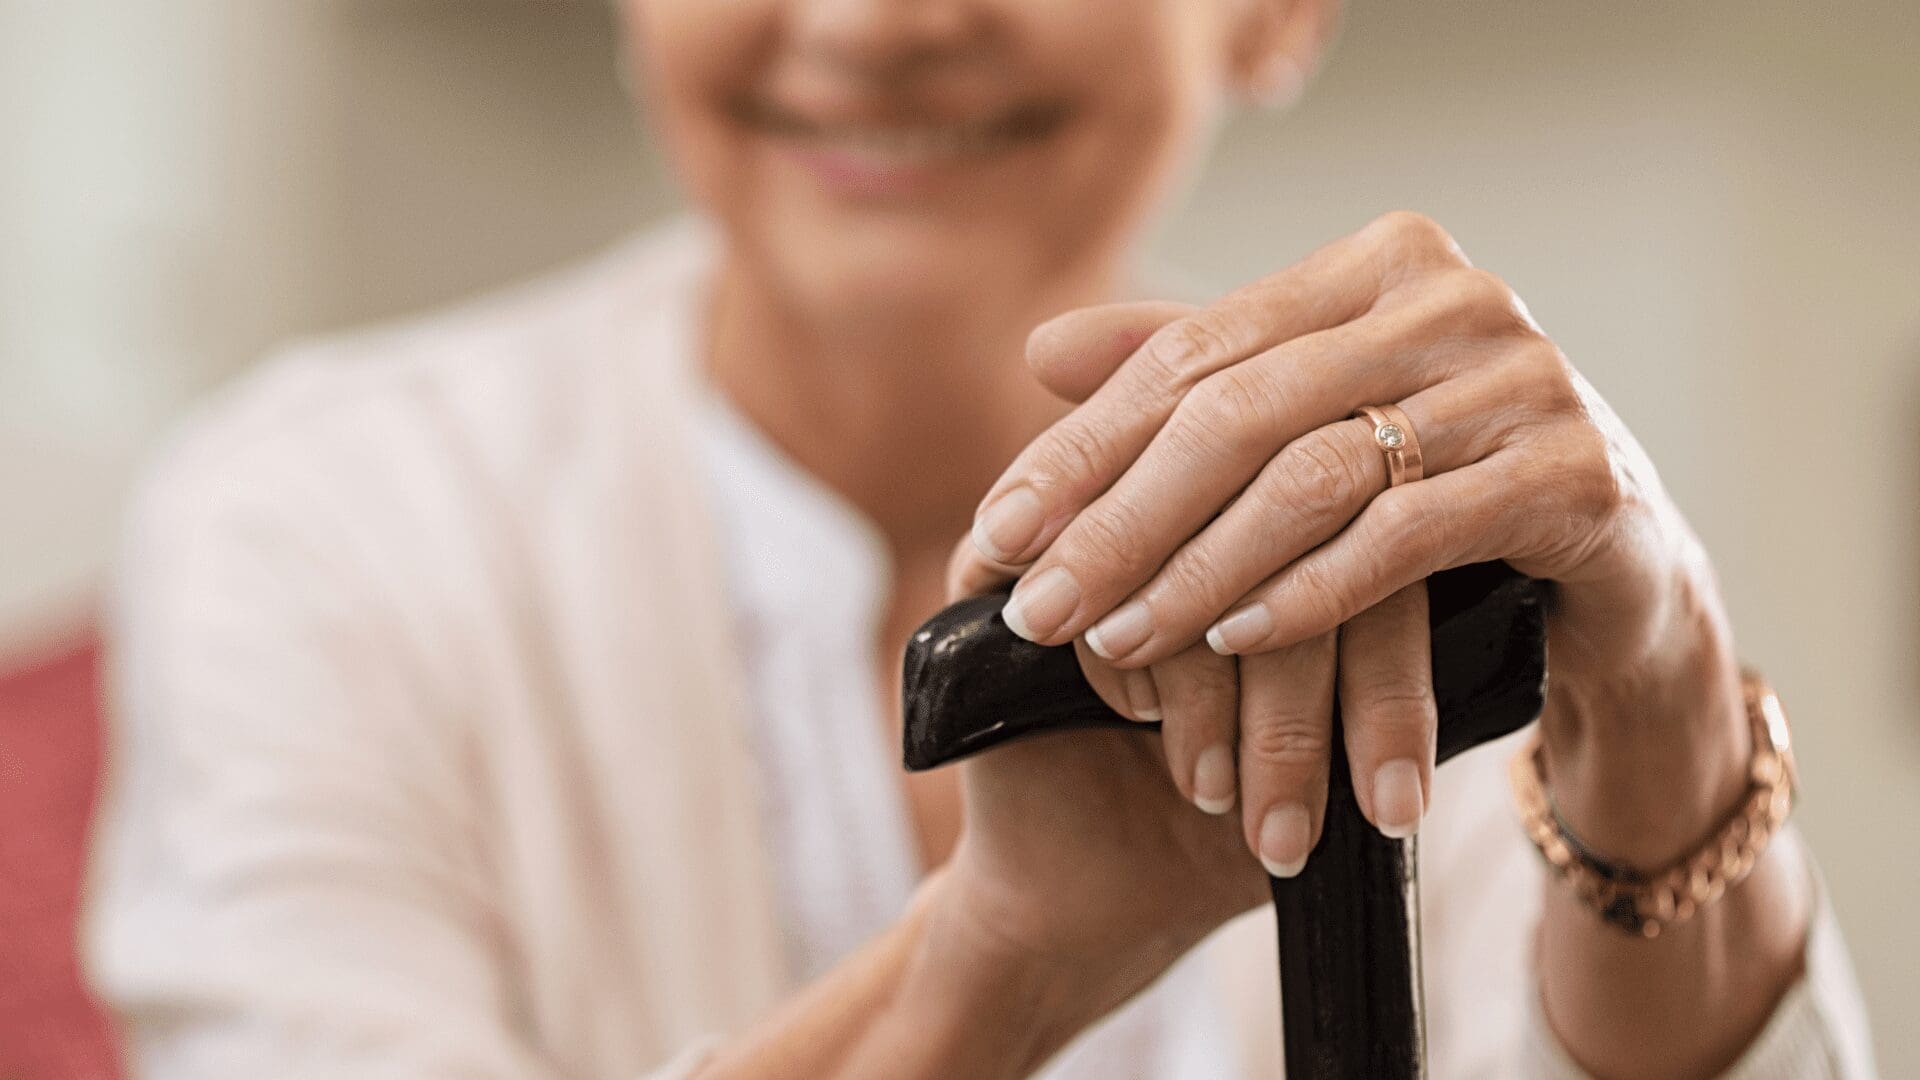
511,693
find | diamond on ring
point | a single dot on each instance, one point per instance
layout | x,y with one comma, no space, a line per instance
1393,434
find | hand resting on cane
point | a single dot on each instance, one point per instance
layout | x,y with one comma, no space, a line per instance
1215,525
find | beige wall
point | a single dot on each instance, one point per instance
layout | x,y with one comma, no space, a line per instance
1712,205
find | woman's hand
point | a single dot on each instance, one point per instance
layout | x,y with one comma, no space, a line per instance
1079,857
1080,877
1213,490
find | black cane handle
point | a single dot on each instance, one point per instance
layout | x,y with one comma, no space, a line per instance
1349,923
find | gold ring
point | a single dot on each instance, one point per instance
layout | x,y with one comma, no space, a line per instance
1393,434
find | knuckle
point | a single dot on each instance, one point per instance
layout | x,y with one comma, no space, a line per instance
1196,441
1394,701
1487,293
1323,599
1412,231
1540,369
1555,387
1296,739
1107,538
1224,412
1541,391
1600,491
1413,533
1397,520
1076,453
1470,305
1319,472
1186,350
1199,695
1199,582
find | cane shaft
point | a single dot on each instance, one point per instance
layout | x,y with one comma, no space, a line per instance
1350,989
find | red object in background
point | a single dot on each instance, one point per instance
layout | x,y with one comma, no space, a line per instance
50,734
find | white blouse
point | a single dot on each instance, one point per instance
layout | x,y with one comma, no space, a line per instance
493,703
806,578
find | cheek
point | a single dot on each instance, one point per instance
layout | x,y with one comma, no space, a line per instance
1152,87
690,57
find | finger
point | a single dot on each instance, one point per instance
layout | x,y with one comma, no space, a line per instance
1286,744
1387,709
970,575
1228,428
1477,514
1129,693
1305,495
1072,354
1078,457
1199,695
1132,694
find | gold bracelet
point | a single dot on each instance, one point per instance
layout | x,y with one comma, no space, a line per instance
1646,903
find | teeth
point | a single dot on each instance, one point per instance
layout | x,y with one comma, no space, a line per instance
912,144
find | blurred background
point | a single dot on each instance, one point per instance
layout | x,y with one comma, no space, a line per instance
1714,206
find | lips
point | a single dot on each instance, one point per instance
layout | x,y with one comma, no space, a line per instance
903,139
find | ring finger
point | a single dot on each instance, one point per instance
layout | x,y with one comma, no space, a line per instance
1223,430
1303,497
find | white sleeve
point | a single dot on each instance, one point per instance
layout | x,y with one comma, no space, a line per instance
1483,999
1817,1032
287,880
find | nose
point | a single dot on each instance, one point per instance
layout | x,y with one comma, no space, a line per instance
882,36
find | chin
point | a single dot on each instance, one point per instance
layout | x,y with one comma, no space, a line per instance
907,269
889,295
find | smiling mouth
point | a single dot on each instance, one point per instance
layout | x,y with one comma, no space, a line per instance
906,143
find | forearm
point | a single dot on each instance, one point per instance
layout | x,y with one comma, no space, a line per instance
925,999
1644,772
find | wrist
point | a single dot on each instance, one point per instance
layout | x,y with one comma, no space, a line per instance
966,980
1647,756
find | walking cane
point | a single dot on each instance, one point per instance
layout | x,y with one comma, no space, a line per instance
1350,994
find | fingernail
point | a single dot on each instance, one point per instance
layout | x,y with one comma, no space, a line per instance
1006,528
1285,836
1213,780
1126,629
1142,696
1398,803
1040,604
1241,630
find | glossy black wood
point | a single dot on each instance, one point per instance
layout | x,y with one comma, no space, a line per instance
1349,924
